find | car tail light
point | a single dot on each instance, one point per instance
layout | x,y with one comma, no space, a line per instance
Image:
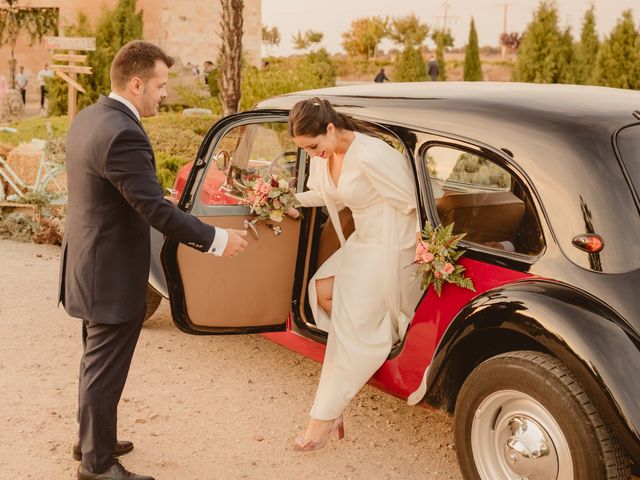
588,242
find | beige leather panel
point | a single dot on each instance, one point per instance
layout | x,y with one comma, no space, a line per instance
484,216
252,289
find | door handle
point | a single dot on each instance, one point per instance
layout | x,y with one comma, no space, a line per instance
248,225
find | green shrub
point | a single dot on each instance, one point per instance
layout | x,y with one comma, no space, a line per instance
35,127
314,70
410,66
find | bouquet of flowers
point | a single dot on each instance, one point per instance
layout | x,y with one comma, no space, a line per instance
436,255
270,196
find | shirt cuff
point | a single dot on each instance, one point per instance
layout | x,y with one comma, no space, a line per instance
219,242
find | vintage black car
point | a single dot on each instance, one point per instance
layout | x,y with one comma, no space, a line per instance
541,365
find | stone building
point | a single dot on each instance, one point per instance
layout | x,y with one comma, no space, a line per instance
187,29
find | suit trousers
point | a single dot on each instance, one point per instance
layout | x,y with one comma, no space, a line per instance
104,366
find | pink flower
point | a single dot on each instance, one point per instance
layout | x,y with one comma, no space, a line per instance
422,249
437,274
427,257
265,188
448,268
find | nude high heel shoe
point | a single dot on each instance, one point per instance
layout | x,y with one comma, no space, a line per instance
304,444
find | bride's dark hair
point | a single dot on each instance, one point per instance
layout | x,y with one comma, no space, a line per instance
311,117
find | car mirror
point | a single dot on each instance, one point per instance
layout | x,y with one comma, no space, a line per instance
223,160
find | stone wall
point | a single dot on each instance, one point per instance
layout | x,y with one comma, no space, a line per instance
186,29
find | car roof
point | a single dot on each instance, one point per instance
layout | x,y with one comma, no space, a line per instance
434,105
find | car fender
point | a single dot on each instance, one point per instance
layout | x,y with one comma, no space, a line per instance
592,340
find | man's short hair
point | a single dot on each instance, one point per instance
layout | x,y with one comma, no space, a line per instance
136,59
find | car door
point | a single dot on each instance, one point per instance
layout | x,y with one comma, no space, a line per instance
251,292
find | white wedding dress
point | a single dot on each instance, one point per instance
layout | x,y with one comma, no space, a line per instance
374,295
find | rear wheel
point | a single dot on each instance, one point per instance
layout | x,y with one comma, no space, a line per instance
523,415
153,301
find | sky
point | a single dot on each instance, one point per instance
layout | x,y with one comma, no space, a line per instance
333,17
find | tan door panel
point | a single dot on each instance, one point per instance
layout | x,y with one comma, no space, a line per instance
252,289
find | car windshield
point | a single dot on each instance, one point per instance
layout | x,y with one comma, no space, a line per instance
629,146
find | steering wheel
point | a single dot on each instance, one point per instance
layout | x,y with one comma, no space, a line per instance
280,156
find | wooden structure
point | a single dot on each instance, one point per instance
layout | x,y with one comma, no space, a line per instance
70,71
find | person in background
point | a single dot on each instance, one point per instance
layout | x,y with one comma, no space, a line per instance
433,69
42,80
22,80
381,77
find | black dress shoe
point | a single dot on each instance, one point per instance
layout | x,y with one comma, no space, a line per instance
122,447
115,472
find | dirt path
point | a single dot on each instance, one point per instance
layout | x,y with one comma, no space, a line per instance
197,408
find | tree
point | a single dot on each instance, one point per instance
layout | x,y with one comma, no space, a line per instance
539,56
408,31
618,62
410,66
587,49
115,28
472,65
511,40
231,55
364,36
566,58
442,39
270,38
14,20
303,41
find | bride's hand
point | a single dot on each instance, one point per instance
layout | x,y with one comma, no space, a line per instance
292,212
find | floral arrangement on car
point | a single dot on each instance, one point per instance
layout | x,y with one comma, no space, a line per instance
270,196
437,253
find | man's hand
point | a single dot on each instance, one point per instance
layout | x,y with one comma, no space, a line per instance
236,243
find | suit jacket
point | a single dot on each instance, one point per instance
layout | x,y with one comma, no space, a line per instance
114,195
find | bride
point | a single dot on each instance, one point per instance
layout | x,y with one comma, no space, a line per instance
362,295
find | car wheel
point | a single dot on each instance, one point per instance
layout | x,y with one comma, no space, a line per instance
523,415
153,301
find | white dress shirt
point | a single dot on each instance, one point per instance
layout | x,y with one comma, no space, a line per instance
222,236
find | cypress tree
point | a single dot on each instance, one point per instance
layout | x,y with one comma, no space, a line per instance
472,64
587,49
539,56
618,62
410,66
566,58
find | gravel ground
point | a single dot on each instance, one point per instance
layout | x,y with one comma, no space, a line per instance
196,407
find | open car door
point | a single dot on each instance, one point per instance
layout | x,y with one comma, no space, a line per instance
252,292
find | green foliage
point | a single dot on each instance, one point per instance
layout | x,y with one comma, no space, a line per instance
314,70
443,39
308,39
618,61
566,58
587,49
408,31
35,127
365,35
350,67
36,22
410,66
472,65
540,55
114,29
270,37
194,96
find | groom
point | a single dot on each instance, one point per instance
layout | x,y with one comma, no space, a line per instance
114,196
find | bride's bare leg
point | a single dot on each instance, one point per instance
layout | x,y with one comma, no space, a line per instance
324,291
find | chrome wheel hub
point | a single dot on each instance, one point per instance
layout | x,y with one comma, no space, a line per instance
515,437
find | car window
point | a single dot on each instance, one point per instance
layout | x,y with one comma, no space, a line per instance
629,144
483,200
250,150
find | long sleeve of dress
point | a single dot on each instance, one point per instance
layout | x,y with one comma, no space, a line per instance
391,176
313,197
